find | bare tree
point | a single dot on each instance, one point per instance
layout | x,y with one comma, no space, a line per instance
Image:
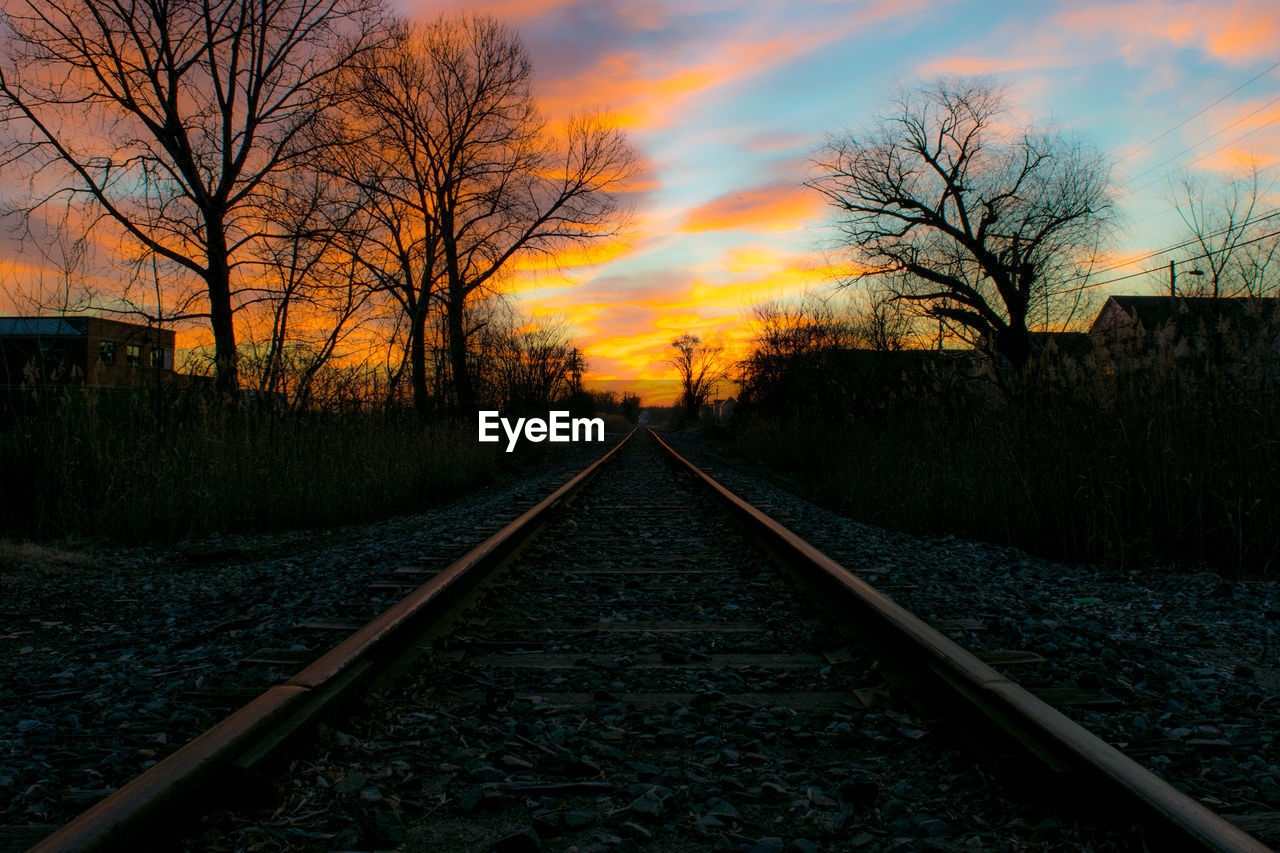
1257,265
787,333
810,324
1224,236
386,152
700,366
313,291
981,228
528,363
823,353
473,175
171,117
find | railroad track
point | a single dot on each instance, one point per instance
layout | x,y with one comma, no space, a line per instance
647,673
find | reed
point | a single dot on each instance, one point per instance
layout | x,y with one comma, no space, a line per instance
1149,466
128,469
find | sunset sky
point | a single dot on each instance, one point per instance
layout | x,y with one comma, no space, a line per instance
725,101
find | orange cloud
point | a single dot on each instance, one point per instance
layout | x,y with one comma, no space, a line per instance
1230,138
513,11
776,142
1236,32
650,91
572,255
771,207
626,323
1249,135
750,258
652,392
644,94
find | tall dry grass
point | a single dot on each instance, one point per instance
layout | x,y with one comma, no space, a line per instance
124,467
1133,456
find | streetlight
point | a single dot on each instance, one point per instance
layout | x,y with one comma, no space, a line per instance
1172,278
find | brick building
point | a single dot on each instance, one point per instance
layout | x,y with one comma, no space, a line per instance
91,351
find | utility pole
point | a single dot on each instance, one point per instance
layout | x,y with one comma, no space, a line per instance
1173,291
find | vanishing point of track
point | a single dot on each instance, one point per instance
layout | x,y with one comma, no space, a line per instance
571,669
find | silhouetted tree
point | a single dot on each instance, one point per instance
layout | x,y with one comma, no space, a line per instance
527,364
466,176
700,366
1223,236
386,151
824,355
171,118
314,294
630,408
978,226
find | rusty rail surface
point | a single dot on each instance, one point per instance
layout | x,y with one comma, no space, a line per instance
1101,774
124,820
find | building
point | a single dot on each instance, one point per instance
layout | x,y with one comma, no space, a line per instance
91,351
722,408
1234,338
1194,320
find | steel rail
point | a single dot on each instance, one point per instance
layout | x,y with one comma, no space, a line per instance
125,818
1107,777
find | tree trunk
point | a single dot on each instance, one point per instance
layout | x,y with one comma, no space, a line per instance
418,360
458,353
455,302
1014,343
273,379
218,279
1014,340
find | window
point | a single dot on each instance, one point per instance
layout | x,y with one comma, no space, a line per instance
157,356
107,352
133,354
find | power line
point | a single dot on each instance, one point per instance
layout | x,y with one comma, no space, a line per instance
1094,284
1201,256
1156,139
1173,209
1262,218
1206,139
1207,153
